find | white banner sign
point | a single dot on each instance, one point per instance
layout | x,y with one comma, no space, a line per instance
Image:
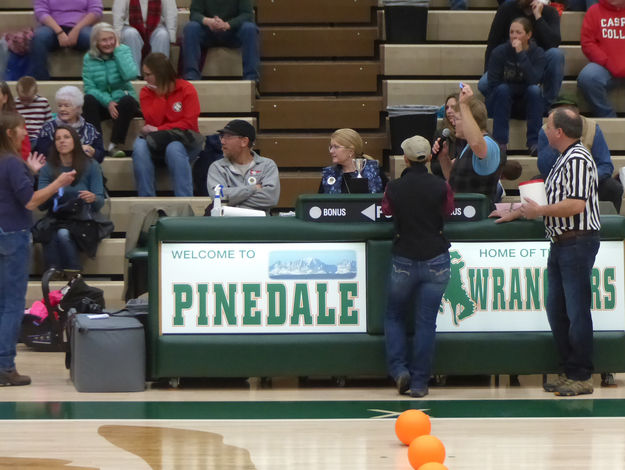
211,288
502,287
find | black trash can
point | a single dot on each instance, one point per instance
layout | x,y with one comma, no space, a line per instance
406,21
408,120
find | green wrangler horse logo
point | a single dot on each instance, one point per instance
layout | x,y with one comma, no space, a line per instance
456,293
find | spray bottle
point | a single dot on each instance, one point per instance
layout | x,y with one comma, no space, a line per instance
218,194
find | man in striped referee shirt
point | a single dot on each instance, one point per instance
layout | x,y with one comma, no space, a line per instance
572,224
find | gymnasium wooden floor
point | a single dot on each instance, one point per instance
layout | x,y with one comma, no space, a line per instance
239,424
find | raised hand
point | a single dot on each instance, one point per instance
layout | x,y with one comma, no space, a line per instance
36,161
466,93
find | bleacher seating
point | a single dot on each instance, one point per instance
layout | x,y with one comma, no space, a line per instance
325,65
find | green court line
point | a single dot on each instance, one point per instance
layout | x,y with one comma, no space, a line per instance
567,408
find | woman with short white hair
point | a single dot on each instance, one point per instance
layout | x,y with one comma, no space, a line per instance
146,25
69,101
107,70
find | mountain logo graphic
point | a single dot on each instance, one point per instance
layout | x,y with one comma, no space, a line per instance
456,295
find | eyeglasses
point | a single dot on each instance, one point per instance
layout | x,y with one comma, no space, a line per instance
228,136
336,147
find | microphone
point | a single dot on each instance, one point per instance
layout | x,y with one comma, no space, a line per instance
445,135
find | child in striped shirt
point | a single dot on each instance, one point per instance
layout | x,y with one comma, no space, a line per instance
34,108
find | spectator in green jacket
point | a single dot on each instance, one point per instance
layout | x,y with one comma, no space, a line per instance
107,70
219,23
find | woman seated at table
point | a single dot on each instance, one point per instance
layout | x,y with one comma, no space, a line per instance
62,235
107,70
346,145
69,101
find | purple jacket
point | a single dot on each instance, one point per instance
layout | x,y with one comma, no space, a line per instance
66,12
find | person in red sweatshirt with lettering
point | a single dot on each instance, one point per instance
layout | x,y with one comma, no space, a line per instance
171,108
603,40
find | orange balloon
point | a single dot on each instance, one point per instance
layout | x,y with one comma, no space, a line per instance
426,449
411,424
433,466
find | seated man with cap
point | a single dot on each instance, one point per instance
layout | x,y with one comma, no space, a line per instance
610,189
247,179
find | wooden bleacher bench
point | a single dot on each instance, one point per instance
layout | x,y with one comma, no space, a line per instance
108,261
462,60
216,96
285,150
318,41
121,208
324,112
220,62
208,125
430,92
319,76
473,26
121,178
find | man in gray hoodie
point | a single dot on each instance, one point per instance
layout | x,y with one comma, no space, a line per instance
247,179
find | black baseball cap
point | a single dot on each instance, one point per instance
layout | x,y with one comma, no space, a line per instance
240,128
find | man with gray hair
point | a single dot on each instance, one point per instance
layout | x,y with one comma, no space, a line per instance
572,224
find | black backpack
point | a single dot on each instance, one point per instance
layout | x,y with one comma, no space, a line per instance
82,297
47,335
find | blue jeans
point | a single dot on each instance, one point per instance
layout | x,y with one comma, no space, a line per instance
458,4
61,252
594,81
580,5
552,79
568,302
14,266
198,37
178,161
44,41
499,104
427,281
4,57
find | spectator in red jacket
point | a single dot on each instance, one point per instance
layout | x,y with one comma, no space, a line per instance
603,40
168,104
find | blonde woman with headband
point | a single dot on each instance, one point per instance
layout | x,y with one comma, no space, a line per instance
107,70
346,146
